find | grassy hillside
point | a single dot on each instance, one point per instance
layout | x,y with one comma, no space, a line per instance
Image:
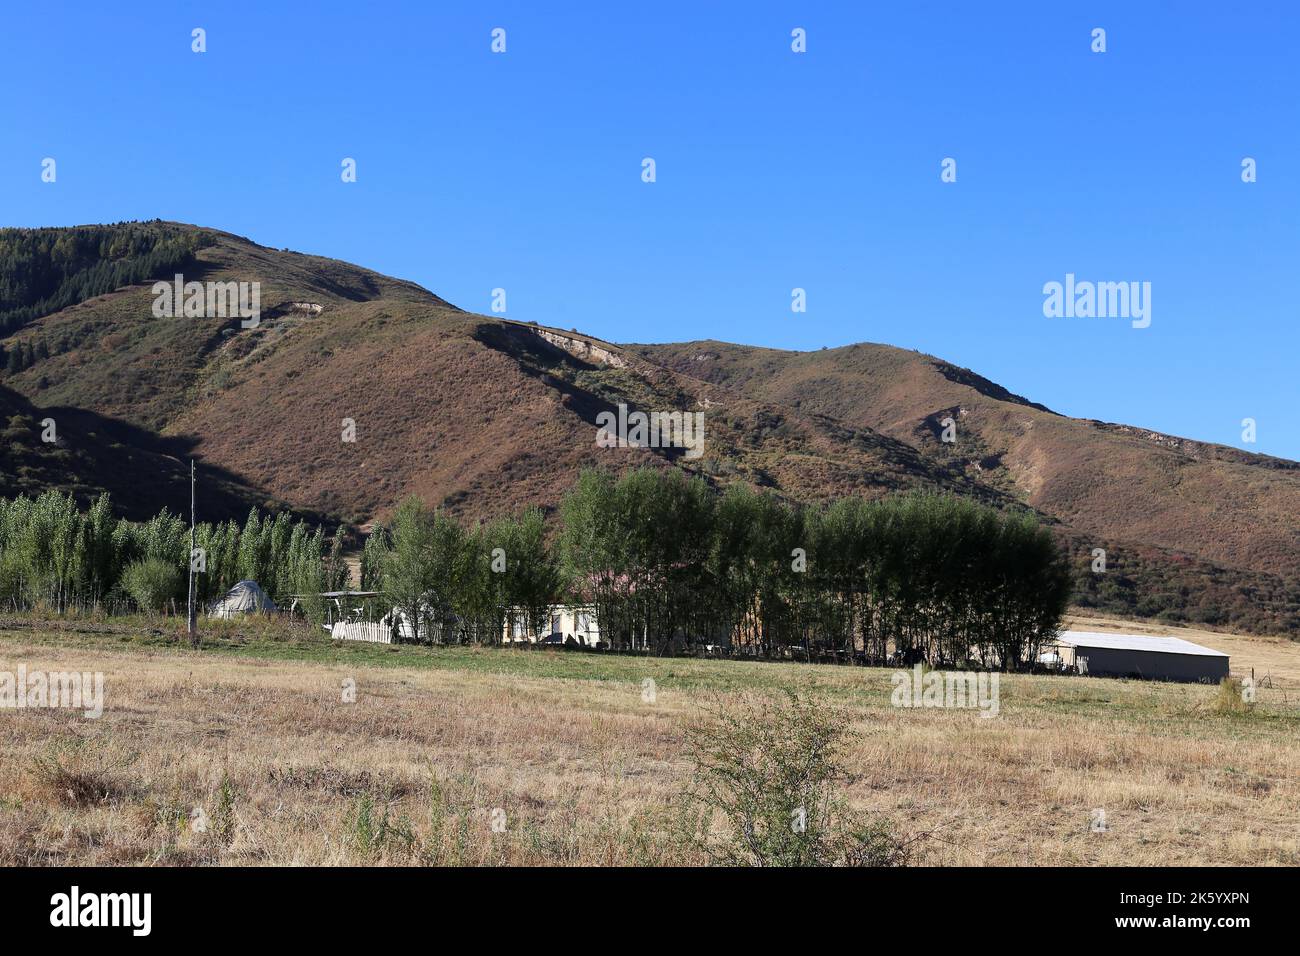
475,413
482,415
44,270
1197,532
92,454
589,770
1221,504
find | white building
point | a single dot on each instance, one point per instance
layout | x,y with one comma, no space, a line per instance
1132,655
566,621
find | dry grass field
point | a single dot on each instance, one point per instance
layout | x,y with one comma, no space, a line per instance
245,752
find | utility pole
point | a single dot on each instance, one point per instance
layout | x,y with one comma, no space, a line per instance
190,617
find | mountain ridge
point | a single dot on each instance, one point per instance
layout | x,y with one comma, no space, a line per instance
480,414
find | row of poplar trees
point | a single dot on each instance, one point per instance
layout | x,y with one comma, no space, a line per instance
464,584
55,555
919,576
667,564
670,565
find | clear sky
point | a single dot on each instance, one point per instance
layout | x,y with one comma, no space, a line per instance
775,170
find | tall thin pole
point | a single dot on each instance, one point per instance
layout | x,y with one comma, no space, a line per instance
191,621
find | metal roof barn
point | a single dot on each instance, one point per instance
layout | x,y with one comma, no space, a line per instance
1150,658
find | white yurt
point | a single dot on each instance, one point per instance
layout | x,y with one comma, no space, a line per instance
246,597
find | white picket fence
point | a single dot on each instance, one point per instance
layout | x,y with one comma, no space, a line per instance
362,631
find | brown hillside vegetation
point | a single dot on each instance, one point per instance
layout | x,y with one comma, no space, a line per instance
91,455
482,415
474,413
1218,503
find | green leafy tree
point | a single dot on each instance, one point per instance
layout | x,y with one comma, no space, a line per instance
152,583
531,580
410,578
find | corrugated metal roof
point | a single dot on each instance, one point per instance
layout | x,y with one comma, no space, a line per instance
1135,642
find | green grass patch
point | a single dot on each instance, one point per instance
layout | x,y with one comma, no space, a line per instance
1166,709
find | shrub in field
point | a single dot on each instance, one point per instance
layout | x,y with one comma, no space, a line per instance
374,832
1231,699
771,771
151,583
81,772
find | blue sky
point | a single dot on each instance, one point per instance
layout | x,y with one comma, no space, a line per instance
775,170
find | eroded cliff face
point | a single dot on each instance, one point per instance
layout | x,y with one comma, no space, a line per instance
581,348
